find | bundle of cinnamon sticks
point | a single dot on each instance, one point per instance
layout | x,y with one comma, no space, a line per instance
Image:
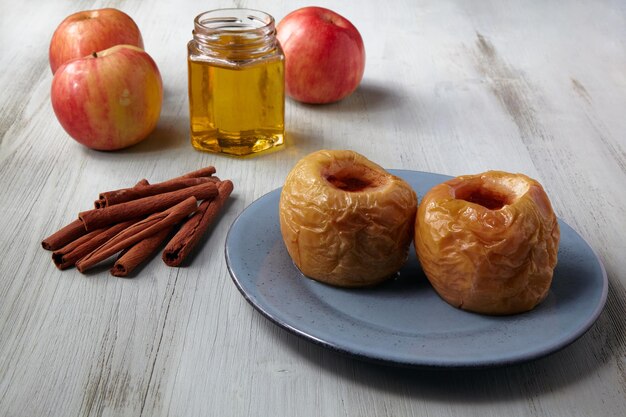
135,222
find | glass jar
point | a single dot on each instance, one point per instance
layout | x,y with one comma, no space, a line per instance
236,82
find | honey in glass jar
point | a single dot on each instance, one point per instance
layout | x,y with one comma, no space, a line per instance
236,82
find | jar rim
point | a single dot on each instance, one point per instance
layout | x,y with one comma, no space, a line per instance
233,20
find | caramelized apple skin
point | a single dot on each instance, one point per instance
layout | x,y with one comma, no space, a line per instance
488,243
345,220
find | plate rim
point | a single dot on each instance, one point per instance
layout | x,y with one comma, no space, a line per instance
476,364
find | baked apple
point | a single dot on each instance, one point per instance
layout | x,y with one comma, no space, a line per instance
345,220
488,243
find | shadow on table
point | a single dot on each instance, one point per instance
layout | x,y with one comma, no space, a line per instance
372,97
598,346
368,96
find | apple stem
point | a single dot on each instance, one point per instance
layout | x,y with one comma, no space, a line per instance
94,54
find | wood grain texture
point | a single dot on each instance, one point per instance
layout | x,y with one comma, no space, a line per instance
453,87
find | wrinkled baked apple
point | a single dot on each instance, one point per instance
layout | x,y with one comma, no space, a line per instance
345,220
488,243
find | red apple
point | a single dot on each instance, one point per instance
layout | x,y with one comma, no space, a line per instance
109,100
89,31
324,55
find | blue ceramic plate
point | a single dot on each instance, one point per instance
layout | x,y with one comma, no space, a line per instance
404,321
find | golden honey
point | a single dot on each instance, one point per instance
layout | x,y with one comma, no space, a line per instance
236,83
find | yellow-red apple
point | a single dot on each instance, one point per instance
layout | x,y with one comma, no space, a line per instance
90,31
109,100
324,55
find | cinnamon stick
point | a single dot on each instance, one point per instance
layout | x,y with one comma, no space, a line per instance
141,183
67,256
138,231
65,235
138,253
97,218
192,230
202,172
110,198
72,231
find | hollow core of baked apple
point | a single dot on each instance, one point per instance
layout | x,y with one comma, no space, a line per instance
350,177
488,243
345,220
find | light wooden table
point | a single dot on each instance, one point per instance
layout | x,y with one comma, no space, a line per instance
451,87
